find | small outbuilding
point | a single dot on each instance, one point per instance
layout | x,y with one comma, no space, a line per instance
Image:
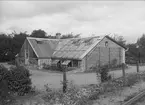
82,53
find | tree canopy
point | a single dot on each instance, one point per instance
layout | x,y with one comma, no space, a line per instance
136,50
120,39
38,34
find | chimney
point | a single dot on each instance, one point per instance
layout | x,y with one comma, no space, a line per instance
58,35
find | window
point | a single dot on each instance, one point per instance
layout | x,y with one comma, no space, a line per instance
106,44
26,53
75,63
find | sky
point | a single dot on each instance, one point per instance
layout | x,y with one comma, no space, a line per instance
125,18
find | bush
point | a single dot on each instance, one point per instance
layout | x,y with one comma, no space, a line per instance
4,91
3,72
132,79
73,96
104,71
17,79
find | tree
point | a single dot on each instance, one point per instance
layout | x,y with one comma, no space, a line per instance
20,37
38,34
132,50
2,37
6,46
141,41
134,53
141,45
18,40
11,45
65,36
120,39
70,35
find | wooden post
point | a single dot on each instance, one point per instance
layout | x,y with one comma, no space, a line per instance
119,56
64,80
99,57
86,64
98,76
123,72
109,58
137,66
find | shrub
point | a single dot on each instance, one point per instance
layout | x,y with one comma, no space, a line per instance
73,96
19,80
132,79
4,91
104,71
3,72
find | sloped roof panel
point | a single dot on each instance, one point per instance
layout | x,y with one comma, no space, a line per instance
43,48
63,48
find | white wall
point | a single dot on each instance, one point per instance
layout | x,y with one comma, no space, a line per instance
43,61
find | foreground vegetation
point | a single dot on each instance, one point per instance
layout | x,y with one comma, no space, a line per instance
13,81
18,84
85,95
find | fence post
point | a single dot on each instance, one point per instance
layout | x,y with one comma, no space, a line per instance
137,66
123,72
98,75
64,80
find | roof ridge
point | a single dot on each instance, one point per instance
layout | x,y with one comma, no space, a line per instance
40,38
63,39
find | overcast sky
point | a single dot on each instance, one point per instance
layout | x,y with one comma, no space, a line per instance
126,18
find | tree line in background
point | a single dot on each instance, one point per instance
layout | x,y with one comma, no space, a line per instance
10,44
136,51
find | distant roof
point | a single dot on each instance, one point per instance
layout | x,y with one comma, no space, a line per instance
72,48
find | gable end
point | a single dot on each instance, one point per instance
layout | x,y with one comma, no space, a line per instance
115,42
